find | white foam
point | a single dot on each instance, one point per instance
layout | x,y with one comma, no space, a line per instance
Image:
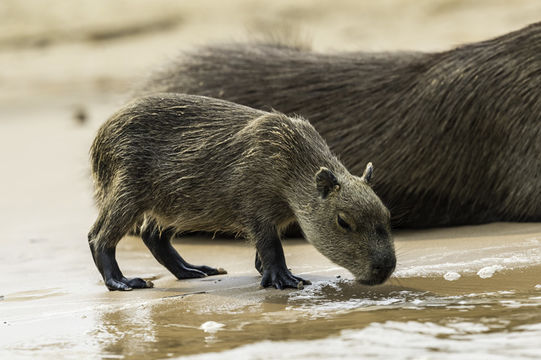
488,271
451,276
519,254
469,327
415,340
211,326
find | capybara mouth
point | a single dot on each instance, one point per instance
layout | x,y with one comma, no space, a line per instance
378,279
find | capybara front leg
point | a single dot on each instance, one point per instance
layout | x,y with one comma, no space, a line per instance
271,256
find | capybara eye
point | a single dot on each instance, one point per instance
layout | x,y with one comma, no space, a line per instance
343,223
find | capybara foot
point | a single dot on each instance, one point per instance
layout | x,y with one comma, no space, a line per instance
184,272
282,278
304,281
138,283
209,271
125,284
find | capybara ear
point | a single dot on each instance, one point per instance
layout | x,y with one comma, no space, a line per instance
367,174
326,182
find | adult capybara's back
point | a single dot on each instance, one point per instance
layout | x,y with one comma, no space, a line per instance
456,135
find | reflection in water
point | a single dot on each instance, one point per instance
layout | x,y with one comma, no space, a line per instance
127,331
419,315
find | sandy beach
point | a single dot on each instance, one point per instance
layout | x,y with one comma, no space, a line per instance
466,292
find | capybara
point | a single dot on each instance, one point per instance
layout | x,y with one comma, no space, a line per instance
177,163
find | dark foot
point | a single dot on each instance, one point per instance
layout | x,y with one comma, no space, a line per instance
182,272
281,279
304,281
138,283
209,271
188,271
125,284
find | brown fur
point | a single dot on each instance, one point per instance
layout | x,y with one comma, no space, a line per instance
191,163
456,135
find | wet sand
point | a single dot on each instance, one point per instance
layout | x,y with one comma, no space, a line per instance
467,292
490,311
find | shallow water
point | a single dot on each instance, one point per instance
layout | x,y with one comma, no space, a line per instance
483,314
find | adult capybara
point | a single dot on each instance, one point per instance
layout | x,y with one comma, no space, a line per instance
191,163
456,134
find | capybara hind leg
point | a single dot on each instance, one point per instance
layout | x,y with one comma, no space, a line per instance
103,238
112,276
159,244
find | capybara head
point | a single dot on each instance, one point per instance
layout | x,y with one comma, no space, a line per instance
349,224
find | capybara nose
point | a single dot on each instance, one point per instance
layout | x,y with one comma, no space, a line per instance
382,269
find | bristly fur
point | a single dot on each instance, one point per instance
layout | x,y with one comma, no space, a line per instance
455,136
180,162
181,157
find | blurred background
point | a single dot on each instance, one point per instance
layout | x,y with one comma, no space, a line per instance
67,51
65,66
